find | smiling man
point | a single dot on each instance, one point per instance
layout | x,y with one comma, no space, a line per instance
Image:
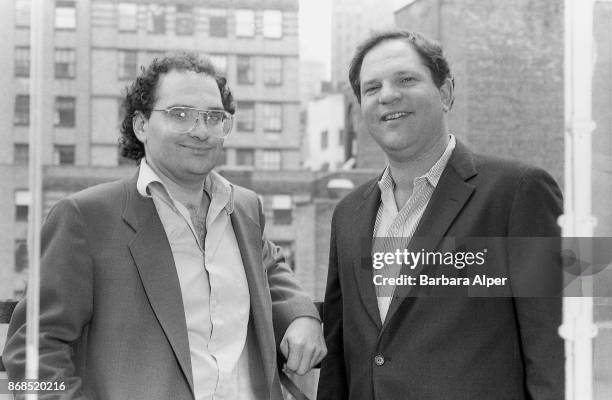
386,342
162,286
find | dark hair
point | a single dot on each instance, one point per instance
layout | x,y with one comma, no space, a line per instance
141,95
429,50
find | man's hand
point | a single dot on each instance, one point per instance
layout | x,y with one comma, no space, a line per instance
303,345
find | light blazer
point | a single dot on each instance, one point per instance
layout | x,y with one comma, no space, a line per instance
445,348
111,315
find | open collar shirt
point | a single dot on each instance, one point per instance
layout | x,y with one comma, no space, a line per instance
394,227
214,289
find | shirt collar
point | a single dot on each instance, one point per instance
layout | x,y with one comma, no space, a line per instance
386,181
214,185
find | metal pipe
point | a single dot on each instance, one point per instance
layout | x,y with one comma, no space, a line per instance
37,22
578,329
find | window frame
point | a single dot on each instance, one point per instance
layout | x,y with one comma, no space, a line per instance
244,109
22,71
64,111
23,200
219,18
65,5
70,63
59,154
155,11
273,74
266,23
23,10
249,78
187,17
271,117
241,30
24,111
269,163
123,18
122,64
245,151
21,153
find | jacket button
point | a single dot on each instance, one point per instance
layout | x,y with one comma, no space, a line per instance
379,360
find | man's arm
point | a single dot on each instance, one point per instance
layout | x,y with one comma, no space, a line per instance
536,207
66,293
332,381
297,325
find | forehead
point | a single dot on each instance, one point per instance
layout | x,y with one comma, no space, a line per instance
187,88
391,57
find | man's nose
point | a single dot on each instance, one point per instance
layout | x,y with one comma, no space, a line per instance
200,130
388,94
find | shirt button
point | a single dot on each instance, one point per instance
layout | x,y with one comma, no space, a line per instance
379,360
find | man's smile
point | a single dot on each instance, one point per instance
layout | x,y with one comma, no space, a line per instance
196,148
390,116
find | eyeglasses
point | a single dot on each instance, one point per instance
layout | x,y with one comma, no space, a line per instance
184,120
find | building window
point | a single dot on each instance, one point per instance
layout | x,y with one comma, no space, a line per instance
157,19
324,139
272,24
22,13
273,70
22,62
217,23
245,157
271,160
22,109
21,255
245,118
341,137
22,204
65,63
220,63
128,64
245,23
273,117
21,154
65,15
128,13
245,70
184,19
282,209
65,111
63,154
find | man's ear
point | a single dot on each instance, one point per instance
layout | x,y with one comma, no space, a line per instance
138,124
447,93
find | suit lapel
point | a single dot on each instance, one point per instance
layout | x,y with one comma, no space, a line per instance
448,199
249,238
153,257
364,219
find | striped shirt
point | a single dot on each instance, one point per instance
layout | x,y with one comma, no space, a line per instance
394,228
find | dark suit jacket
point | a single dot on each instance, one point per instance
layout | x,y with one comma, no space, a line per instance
447,347
112,322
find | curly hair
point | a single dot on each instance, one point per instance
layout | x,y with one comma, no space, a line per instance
429,50
141,95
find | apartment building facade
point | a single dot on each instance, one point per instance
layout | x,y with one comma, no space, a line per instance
92,50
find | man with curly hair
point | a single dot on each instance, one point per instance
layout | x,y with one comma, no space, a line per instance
162,285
